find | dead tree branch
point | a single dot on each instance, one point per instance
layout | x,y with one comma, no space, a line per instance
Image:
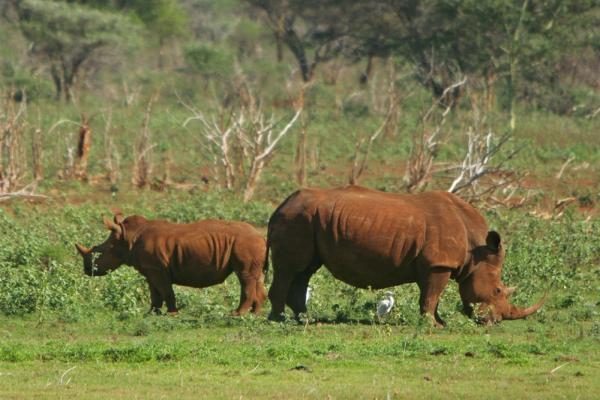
142,167
481,159
362,151
83,148
12,126
424,149
241,141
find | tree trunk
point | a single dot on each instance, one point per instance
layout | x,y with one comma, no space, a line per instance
279,32
297,48
37,152
365,77
83,149
57,82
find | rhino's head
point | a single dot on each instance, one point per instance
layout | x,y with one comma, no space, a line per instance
109,255
483,287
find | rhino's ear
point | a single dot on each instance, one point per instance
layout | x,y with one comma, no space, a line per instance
493,241
113,226
119,218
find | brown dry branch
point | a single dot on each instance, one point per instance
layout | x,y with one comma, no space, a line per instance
165,181
241,142
12,127
130,95
479,162
363,145
362,152
37,154
217,134
111,155
83,149
564,166
425,144
26,192
142,166
263,141
593,114
69,155
300,158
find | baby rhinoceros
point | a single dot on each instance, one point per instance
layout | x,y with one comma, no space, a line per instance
198,254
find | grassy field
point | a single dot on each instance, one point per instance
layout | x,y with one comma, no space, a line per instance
163,357
64,335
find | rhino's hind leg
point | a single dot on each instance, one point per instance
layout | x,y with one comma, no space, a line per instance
278,293
261,296
247,292
432,284
289,287
292,252
296,298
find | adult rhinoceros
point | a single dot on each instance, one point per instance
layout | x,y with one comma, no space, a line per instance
199,254
369,238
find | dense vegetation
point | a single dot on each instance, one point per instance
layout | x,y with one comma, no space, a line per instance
125,103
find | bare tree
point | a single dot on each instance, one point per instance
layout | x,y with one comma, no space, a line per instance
111,155
37,154
12,160
363,145
11,141
83,149
262,141
69,155
312,35
484,158
300,158
242,142
142,166
425,144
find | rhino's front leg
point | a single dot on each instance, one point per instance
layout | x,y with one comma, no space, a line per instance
156,300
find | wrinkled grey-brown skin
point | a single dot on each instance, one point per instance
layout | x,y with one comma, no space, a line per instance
198,255
368,238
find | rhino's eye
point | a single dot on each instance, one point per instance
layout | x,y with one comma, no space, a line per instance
497,290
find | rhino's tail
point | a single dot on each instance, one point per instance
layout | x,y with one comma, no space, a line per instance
266,264
269,231
272,220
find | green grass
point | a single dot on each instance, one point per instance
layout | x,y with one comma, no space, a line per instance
63,334
252,358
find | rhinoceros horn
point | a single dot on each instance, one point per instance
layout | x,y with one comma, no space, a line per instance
82,249
515,312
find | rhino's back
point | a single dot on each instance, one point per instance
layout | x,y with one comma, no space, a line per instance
371,238
200,253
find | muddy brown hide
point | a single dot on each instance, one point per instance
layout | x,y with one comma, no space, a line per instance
198,255
368,238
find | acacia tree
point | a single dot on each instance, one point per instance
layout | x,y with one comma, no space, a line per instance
65,36
314,31
164,20
518,43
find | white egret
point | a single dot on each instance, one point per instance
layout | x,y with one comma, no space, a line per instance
385,306
308,292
